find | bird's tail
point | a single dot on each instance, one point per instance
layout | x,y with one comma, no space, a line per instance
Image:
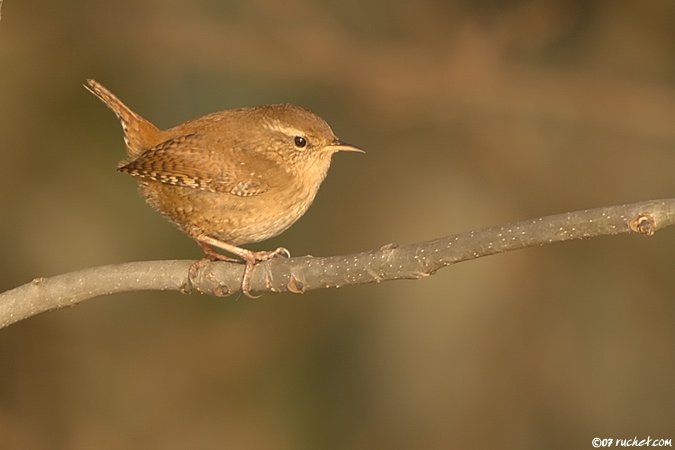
139,134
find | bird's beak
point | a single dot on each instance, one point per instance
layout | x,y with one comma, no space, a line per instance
338,146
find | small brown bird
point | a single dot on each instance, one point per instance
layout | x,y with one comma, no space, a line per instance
232,177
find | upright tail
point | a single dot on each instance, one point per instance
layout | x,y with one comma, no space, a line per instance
139,134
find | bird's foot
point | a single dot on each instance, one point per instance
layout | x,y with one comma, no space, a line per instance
251,258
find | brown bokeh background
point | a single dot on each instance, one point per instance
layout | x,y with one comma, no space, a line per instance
473,114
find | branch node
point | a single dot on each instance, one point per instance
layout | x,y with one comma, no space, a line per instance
295,285
390,246
222,290
643,224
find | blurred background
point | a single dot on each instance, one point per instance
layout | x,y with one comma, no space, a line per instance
472,114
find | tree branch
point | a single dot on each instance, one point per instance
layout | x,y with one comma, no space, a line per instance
391,262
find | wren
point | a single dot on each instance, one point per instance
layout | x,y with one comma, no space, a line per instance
232,177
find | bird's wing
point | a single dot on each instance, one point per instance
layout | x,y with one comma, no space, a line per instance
185,161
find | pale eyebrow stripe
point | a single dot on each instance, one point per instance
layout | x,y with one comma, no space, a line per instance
275,125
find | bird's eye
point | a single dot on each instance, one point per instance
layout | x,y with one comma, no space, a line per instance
300,141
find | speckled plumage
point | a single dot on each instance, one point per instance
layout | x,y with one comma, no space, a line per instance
231,177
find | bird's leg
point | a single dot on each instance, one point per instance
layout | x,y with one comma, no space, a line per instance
212,255
249,257
209,255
